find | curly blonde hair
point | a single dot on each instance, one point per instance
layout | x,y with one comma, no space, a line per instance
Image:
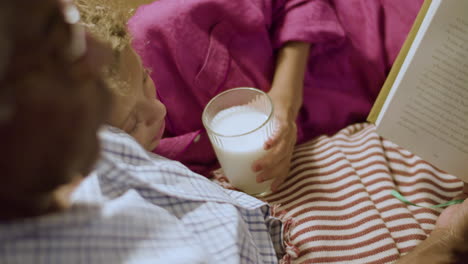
106,20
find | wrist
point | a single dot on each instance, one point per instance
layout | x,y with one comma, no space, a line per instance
286,106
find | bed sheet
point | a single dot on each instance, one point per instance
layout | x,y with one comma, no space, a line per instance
337,203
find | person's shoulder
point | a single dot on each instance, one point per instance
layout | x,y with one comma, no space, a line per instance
89,191
120,146
123,158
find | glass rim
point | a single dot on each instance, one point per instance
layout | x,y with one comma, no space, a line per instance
208,127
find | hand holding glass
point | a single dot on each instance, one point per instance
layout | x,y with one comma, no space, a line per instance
238,123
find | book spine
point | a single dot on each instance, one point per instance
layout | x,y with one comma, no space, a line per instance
379,102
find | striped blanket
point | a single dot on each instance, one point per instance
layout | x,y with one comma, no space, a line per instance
339,204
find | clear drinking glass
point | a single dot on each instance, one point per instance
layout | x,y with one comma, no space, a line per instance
238,122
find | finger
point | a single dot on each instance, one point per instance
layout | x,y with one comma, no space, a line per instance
274,171
284,175
446,217
289,136
277,136
270,158
281,179
274,156
278,182
278,175
463,194
465,188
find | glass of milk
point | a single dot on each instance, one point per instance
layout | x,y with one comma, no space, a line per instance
238,122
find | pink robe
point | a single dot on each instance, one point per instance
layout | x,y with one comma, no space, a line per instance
199,48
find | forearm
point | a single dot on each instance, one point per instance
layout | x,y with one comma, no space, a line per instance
288,80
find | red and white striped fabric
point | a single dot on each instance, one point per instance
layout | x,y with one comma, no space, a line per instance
339,197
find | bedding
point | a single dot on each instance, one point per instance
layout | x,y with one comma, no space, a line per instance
337,203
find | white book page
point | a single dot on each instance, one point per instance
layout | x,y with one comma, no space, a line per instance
428,113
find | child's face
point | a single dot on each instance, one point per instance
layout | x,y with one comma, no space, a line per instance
139,112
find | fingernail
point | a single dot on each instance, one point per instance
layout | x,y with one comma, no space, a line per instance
274,187
257,168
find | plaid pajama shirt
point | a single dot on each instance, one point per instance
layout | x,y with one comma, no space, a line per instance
137,207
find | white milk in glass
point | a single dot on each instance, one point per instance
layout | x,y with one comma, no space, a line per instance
238,153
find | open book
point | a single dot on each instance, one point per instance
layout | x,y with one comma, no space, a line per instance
423,106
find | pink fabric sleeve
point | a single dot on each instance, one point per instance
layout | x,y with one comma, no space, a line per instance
312,21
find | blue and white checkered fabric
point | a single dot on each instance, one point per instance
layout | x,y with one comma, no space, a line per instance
140,208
